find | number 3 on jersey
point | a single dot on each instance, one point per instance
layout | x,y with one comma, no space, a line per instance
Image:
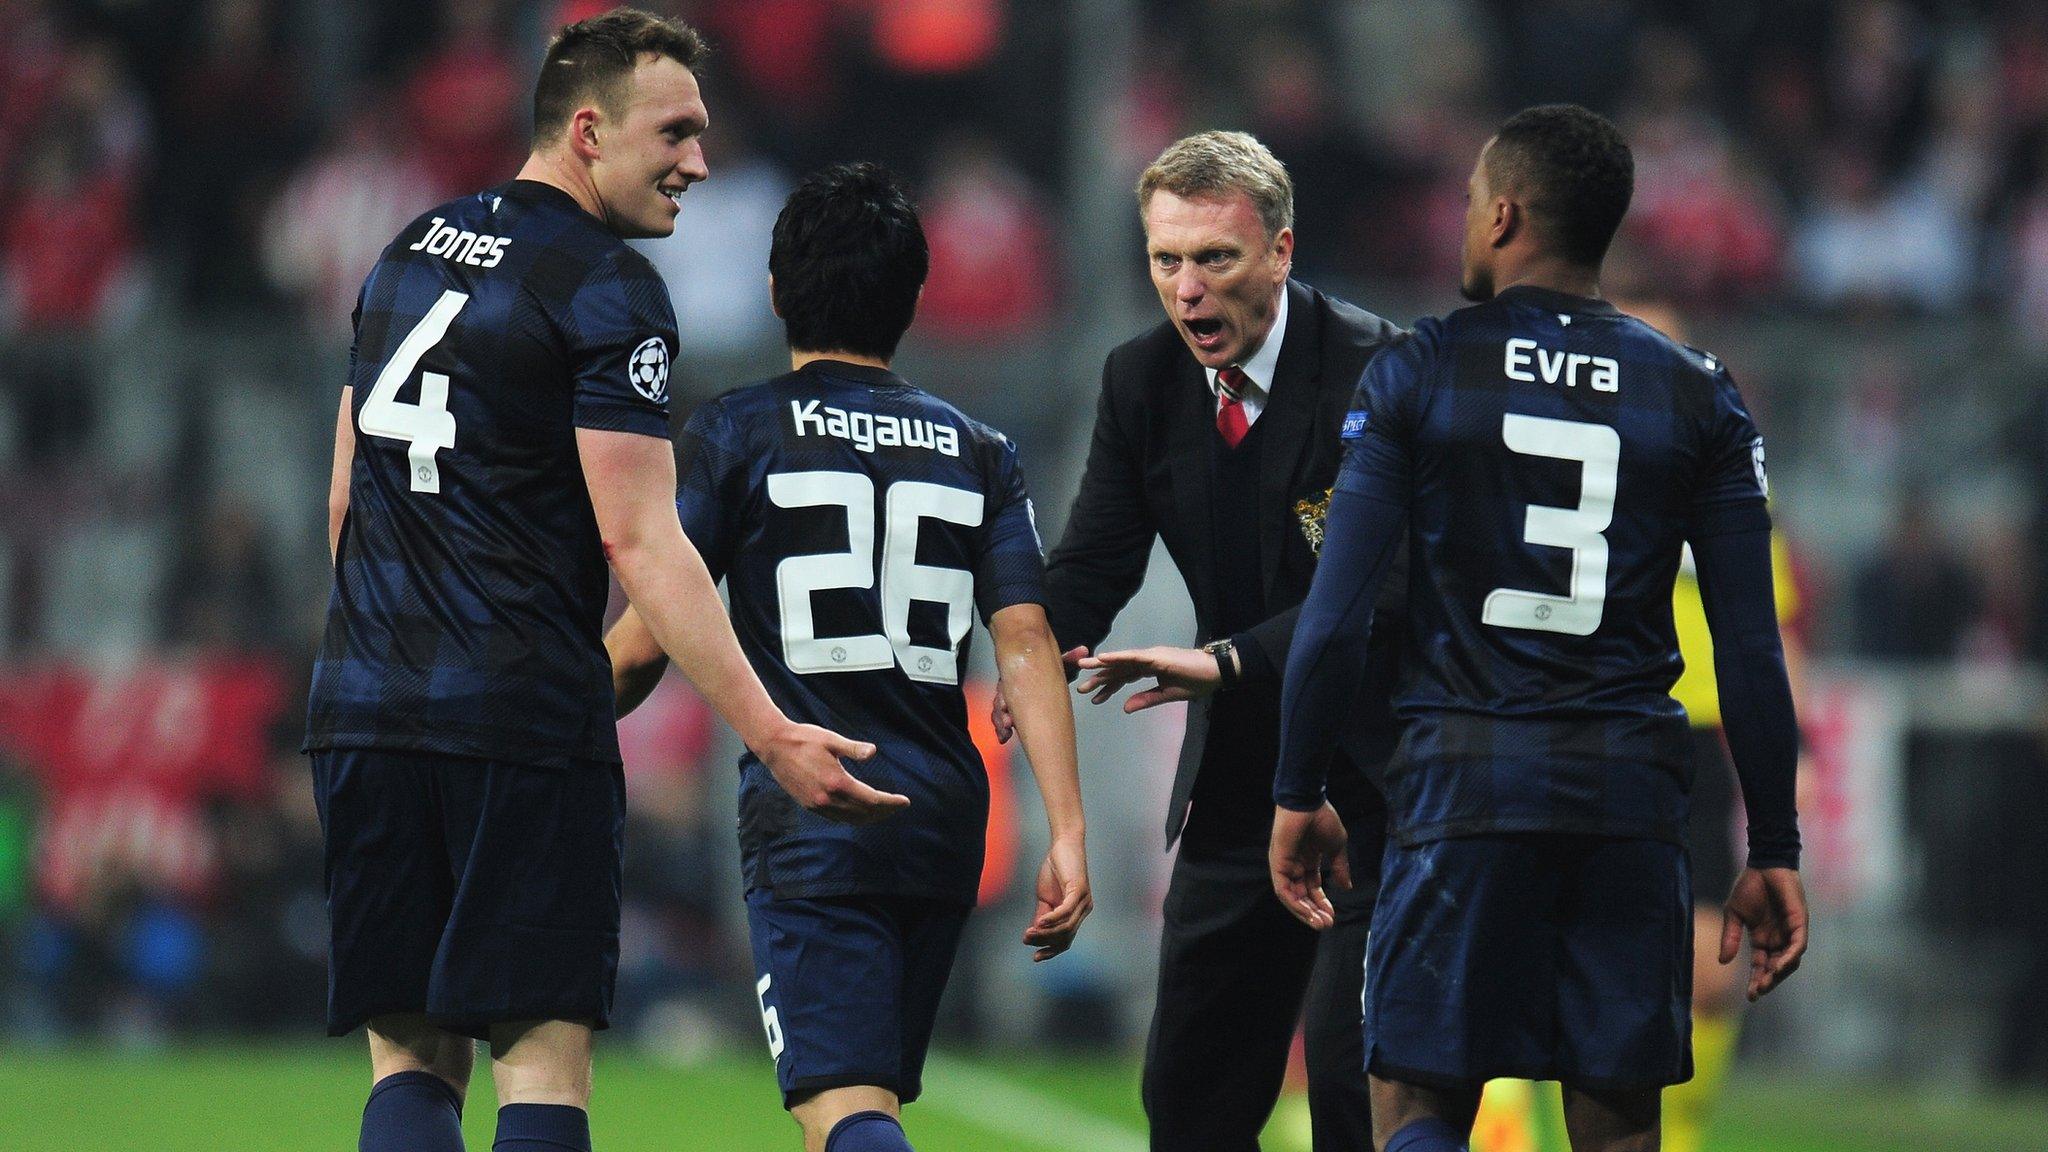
426,427
1597,448
906,504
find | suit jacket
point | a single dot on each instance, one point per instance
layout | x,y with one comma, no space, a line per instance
1149,473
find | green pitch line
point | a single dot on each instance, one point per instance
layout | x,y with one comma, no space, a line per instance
299,1098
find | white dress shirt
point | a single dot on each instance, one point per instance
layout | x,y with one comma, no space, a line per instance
1258,371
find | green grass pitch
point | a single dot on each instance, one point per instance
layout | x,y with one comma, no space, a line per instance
259,1099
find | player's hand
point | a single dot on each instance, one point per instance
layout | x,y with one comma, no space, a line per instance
805,760
1304,845
1771,904
1177,674
1064,899
999,708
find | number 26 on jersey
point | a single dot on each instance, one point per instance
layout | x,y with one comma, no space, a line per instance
906,505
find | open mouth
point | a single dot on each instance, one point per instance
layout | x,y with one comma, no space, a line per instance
1205,328
675,195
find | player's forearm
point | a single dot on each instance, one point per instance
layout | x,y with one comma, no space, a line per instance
637,661
1035,684
1327,658
672,591
1756,694
337,513
338,477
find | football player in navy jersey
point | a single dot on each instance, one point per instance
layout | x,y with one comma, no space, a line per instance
858,522
1549,456
503,434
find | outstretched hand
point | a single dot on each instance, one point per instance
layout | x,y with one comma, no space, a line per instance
1064,900
1177,674
999,708
1305,844
805,760
1771,904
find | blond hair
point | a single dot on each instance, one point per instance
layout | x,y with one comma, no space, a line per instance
1215,163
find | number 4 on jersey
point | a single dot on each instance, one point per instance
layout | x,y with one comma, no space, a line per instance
426,427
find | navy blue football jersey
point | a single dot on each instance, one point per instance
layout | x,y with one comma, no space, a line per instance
1556,455
857,522
470,582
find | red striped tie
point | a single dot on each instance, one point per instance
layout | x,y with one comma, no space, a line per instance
1231,419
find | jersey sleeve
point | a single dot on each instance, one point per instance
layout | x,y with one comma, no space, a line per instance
1379,427
1731,490
622,332
1011,569
711,484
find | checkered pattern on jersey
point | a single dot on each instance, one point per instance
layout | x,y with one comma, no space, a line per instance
853,547
470,584
1557,716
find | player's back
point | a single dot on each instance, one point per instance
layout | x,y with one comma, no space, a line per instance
858,521
470,578
1561,453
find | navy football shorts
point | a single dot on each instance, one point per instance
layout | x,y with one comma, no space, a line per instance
1535,957
476,891
849,987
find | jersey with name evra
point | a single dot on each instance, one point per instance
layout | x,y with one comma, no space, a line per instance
857,522
470,583
1557,455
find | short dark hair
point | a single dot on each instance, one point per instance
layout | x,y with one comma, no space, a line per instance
592,60
1574,171
849,258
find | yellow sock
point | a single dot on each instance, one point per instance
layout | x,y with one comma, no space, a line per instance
1688,1106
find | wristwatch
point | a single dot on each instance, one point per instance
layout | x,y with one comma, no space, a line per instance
1226,667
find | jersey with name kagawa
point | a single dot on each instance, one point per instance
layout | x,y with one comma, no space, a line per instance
857,521
470,584
1557,454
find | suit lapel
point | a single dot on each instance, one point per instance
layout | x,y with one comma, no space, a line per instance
1191,424
1289,423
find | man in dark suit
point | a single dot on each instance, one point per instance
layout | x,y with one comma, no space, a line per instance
1218,432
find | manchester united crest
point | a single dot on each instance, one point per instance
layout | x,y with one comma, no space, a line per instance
1311,511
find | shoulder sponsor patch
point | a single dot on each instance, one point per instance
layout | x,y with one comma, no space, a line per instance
1354,424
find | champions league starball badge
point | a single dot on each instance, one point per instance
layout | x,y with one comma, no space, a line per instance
647,369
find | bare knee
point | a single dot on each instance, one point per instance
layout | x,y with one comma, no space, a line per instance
819,1112
542,1062
406,1042
1612,1120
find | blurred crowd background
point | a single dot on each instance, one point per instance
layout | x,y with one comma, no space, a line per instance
1847,201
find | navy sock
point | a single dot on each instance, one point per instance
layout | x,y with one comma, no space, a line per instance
412,1112
1430,1134
867,1132
542,1128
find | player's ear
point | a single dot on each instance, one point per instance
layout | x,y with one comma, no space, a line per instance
1508,222
772,305
1283,247
583,134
